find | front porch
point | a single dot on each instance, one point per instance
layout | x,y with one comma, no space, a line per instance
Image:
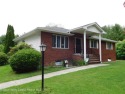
86,47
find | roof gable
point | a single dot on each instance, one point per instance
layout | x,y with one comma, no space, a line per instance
92,27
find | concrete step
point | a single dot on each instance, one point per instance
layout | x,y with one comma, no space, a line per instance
94,62
94,59
94,56
90,54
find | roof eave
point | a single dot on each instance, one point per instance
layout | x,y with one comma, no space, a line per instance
38,29
104,39
25,35
62,33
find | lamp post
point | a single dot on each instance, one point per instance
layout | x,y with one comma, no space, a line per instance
42,49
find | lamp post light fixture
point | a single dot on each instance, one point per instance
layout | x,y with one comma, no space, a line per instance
42,49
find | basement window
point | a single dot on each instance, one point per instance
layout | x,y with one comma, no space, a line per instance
60,41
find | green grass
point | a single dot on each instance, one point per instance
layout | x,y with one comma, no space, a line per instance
7,74
102,80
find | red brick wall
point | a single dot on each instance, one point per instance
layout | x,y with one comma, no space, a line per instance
53,54
108,54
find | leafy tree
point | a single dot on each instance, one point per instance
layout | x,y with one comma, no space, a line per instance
115,32
9,38
120,50
2,39
16,36
1,48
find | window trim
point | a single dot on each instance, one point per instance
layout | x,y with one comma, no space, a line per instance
60,41
108,46
90,46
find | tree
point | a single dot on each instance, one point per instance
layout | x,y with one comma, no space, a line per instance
115,32
1,48
2,39
9,38
120,50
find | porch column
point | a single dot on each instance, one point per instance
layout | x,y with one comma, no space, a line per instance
84,34
100,48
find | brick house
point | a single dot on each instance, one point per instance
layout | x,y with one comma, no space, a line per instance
83,42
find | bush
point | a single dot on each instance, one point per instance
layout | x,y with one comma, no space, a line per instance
3,58
18,47
78,62
25,60
120,50
1,48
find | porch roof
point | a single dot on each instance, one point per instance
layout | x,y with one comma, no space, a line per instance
103,39
91,29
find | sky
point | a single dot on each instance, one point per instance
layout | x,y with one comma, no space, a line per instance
25,15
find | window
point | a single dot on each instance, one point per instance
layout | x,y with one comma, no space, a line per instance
59,41
93,44
62,41
66,42
53,41
109,45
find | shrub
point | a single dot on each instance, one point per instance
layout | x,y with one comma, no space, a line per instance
3,58
18,47
1,48
78,62
25,60
120,50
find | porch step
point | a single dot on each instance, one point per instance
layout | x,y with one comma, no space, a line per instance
94,62
93,59
91,55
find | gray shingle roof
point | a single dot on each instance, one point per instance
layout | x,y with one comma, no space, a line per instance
59,30
54,28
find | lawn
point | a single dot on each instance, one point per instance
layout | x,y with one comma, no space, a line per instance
7,74
102,80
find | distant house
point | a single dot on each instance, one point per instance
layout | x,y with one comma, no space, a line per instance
84,42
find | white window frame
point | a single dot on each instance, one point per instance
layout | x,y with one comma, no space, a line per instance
111,48
60,42
90,46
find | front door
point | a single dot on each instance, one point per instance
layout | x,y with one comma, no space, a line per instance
78,45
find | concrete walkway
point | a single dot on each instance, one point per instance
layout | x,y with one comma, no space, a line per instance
38,77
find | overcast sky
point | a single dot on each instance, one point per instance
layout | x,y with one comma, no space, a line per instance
26,15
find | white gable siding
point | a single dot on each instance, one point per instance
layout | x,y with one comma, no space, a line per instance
93,29
33,40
